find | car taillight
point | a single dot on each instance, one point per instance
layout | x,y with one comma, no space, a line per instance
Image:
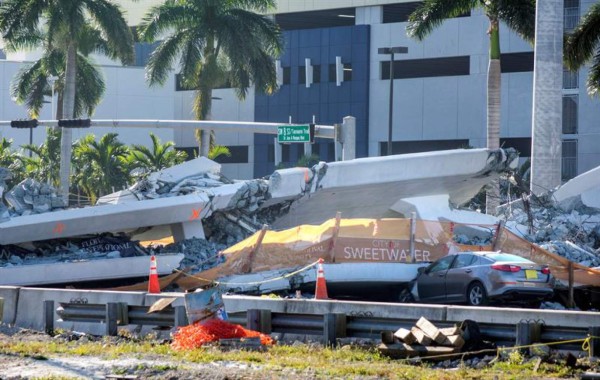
506,267
545,270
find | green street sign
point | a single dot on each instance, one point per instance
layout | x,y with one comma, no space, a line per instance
296,133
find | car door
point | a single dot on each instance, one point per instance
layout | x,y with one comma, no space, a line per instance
459,276
431,284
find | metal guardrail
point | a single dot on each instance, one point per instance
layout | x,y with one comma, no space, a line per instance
328,326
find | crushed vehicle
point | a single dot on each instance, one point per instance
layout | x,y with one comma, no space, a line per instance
480,278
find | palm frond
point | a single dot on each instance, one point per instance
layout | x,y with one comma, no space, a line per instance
433,13
582,43
519,15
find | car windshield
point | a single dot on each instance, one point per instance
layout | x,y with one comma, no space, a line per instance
507,257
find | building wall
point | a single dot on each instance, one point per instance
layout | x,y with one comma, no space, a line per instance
323,101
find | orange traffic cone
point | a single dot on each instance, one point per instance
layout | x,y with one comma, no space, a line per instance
321,288
153,285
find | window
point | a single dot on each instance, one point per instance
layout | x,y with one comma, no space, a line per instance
516,62
401,11
239,155
326,18
403,147
441,264
569,119
347,72
569,159
180,86
429,67
571,14
287,75
570,79
316,74
463,260
521,144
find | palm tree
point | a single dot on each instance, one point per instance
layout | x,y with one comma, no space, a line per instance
582,46
101,166
518,15
58,25
159,157
43,165
216,41
10,160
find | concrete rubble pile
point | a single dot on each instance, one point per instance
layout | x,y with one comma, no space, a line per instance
53,251
565,221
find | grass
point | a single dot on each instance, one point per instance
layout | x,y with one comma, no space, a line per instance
318,361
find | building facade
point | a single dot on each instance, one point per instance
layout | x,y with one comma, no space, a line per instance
439,88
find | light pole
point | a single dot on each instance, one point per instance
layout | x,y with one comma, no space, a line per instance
391,51
52,79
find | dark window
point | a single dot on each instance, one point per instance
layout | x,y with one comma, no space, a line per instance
401,11
571,14
191,152
570,79
442,264
316,74
270,152
239,155
521,144
287,75
569,114
316,19
516,62
347,72
569,159
424,68
463,261
143,50
180,86
402,147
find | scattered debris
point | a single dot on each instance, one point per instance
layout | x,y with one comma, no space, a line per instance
213,330
423,340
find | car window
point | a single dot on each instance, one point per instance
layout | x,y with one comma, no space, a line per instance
463,260
441,264
507,257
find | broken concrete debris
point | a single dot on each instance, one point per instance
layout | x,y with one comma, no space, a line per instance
32,197
60,250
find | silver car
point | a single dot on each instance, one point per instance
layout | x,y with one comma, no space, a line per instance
478,278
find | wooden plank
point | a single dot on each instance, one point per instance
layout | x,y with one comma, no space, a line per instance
430,330
454,341
403,350
420,336
454,330
405,335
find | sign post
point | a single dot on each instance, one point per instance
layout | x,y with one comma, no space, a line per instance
304,133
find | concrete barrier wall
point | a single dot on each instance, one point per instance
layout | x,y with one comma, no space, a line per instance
30,306
23,307
11,296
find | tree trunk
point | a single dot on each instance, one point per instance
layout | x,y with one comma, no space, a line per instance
205,104
67,113
546,151
493,110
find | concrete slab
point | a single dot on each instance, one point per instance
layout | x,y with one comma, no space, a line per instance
87,270
11,297
584,188
370,187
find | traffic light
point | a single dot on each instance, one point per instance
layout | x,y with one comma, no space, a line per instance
312,133
74,123
24,123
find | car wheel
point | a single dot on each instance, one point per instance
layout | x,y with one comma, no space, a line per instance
406,296
476,295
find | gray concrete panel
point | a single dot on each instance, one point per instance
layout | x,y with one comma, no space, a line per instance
514,316
11,296
30,306
440,108
517,105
